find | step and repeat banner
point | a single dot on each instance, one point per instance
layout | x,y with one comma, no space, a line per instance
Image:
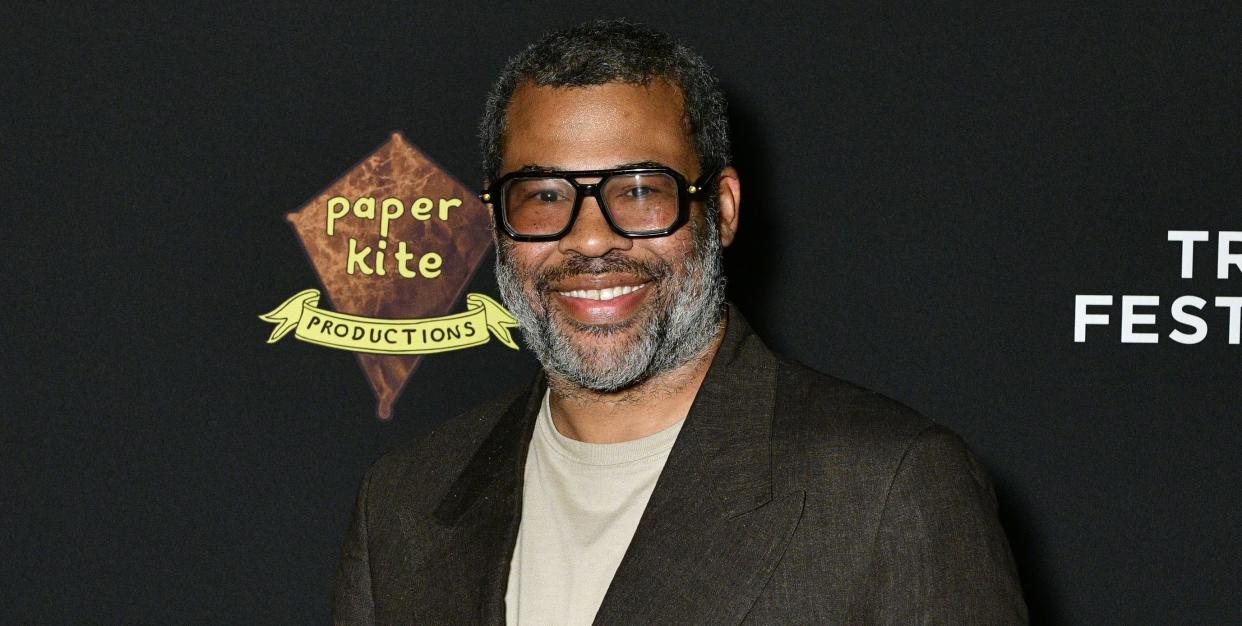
250,256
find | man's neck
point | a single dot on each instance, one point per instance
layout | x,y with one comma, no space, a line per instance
634,412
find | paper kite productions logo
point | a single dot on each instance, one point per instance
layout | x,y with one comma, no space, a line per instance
394,242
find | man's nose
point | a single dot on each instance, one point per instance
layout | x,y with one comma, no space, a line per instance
591,236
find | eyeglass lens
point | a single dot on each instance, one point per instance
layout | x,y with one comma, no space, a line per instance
636,202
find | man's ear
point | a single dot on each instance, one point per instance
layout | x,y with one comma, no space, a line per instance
728,198
491,215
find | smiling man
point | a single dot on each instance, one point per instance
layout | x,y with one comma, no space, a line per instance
665,467
621,303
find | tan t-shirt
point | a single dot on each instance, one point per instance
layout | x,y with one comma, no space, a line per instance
580,505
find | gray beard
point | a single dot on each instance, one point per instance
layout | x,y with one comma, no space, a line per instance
679,325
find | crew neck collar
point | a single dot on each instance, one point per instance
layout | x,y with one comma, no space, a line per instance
600,454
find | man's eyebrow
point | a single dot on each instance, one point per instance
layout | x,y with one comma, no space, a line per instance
640,164
536,169
531,168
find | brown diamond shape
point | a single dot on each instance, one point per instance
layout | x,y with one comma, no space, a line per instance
398,170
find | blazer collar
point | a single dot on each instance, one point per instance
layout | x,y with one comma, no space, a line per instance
718,470
728,423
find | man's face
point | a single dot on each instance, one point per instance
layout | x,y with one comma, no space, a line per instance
600,309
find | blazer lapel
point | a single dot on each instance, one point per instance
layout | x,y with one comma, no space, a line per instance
712,533
710,537
482,510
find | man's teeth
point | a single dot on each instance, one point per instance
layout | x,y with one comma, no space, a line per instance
602,294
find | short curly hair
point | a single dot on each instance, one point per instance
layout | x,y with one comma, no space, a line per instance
605,51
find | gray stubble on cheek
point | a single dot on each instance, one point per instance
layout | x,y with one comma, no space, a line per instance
683,324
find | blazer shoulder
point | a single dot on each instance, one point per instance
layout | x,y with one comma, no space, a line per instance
442,452
810,403
858,443
822,422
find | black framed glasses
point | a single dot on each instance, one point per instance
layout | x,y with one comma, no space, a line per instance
636,202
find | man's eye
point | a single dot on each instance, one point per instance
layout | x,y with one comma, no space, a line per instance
639,192
548,195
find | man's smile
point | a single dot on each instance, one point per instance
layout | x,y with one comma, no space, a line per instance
600,298
607,293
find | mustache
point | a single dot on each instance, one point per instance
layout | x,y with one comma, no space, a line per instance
613,261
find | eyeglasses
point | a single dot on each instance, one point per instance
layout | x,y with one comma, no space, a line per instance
636,202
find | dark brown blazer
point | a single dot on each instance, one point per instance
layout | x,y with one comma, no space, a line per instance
789,497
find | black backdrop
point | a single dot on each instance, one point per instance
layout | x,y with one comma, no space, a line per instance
924,195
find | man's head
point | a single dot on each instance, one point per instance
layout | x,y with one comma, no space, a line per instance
600,309
601,52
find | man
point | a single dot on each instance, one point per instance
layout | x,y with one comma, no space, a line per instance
665,467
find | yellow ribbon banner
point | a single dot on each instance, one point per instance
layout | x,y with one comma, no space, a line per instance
385,336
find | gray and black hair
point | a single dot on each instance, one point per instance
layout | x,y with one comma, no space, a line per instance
605,51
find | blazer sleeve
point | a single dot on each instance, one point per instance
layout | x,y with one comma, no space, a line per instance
941,556
351,598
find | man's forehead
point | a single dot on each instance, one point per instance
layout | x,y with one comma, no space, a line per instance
544,168
596,126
